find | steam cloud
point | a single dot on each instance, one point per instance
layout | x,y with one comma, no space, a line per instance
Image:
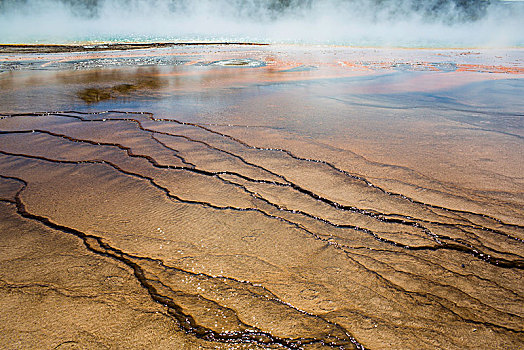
426,23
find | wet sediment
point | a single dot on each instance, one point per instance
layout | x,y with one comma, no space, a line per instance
234,243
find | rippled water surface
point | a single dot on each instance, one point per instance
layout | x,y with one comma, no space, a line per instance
262,197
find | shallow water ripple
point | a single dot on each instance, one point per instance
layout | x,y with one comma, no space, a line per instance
215,241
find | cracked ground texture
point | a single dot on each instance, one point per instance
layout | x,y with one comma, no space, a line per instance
127,229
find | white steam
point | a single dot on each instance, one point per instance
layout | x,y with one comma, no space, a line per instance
343,22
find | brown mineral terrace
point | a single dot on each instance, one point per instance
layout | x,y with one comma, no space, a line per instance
262,197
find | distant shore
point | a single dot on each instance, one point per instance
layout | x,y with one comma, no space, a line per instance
56,48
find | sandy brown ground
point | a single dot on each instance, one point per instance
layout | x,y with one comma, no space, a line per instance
258,208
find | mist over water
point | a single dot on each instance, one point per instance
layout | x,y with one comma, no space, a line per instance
395,23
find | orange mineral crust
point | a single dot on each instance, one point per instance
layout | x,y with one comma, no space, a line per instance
262,197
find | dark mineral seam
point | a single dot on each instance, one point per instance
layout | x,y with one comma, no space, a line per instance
490,325
128,150
200,297
166,191
296,187
365,212
418,257
298,226
381,217
150,115
152,132
458,225
222,151
437,284
479,243
176,154
475,237
153,162
475,252
336,246
143,177
65,342
317,218
63,292
272,297
290,154
204,172
468,245
433,208
400,289
402,328
442,245
472,251
378,216
130,153
396,287
429,297
238,319
10,201
342,247
186,322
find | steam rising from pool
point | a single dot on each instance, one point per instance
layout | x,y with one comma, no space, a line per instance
404,23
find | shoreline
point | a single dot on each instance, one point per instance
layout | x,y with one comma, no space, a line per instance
59,48
20,48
